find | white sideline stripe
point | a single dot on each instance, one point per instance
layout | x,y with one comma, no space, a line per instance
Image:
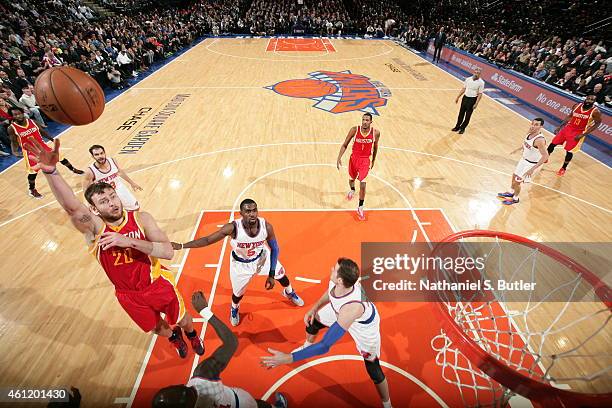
426,223
341,357
211,265
145,361
220,225
414,236
123,400
299,278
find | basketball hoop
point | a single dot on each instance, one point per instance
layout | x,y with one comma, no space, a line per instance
492,353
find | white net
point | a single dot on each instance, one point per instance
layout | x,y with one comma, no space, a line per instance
558,333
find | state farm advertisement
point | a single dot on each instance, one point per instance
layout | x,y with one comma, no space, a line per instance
539,96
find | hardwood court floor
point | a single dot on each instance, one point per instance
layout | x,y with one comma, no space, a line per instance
229,138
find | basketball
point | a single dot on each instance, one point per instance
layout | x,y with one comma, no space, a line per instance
68,95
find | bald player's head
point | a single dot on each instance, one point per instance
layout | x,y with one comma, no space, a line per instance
180,396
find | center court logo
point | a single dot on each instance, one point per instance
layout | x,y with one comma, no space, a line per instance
337,92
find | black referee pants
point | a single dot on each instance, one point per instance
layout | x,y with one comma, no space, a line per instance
465,112
437,53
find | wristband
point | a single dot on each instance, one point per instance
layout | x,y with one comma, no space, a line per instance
206,313
52,172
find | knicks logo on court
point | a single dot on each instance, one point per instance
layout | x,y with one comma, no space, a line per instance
337,92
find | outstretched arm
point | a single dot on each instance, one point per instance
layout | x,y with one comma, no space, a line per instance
88,179
127,178
212,367
82,218
346,316
226,230
344,146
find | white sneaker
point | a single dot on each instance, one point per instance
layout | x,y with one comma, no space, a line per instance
294,298
234,316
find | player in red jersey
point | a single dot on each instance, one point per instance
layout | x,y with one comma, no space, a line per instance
584,119
22,132
127,244
364,146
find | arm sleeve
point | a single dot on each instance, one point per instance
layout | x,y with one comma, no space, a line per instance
274,250
334,334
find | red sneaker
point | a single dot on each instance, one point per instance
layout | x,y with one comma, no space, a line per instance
196,344
179,343
360,214
561,172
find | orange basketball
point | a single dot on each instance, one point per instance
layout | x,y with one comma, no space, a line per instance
305,88
68,95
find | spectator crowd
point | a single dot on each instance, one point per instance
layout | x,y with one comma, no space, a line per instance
38,34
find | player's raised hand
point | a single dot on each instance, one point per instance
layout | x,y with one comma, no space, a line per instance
46,160
111,239
176,246
277,358
339,163
269,282
198,301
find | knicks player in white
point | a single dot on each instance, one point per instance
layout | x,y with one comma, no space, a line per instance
250,255
205,389
534,156
342,309
105,169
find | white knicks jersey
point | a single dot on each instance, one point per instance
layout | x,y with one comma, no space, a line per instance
222,396
354,296
530,152
245,246
111,177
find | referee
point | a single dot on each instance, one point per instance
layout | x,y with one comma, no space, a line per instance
472,92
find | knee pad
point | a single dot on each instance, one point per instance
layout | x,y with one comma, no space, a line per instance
375,371
284,281
568,156
314,327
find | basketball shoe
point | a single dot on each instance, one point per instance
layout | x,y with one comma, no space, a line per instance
234,316
360,214
177,341
294,298
34,193
281,401
196,343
